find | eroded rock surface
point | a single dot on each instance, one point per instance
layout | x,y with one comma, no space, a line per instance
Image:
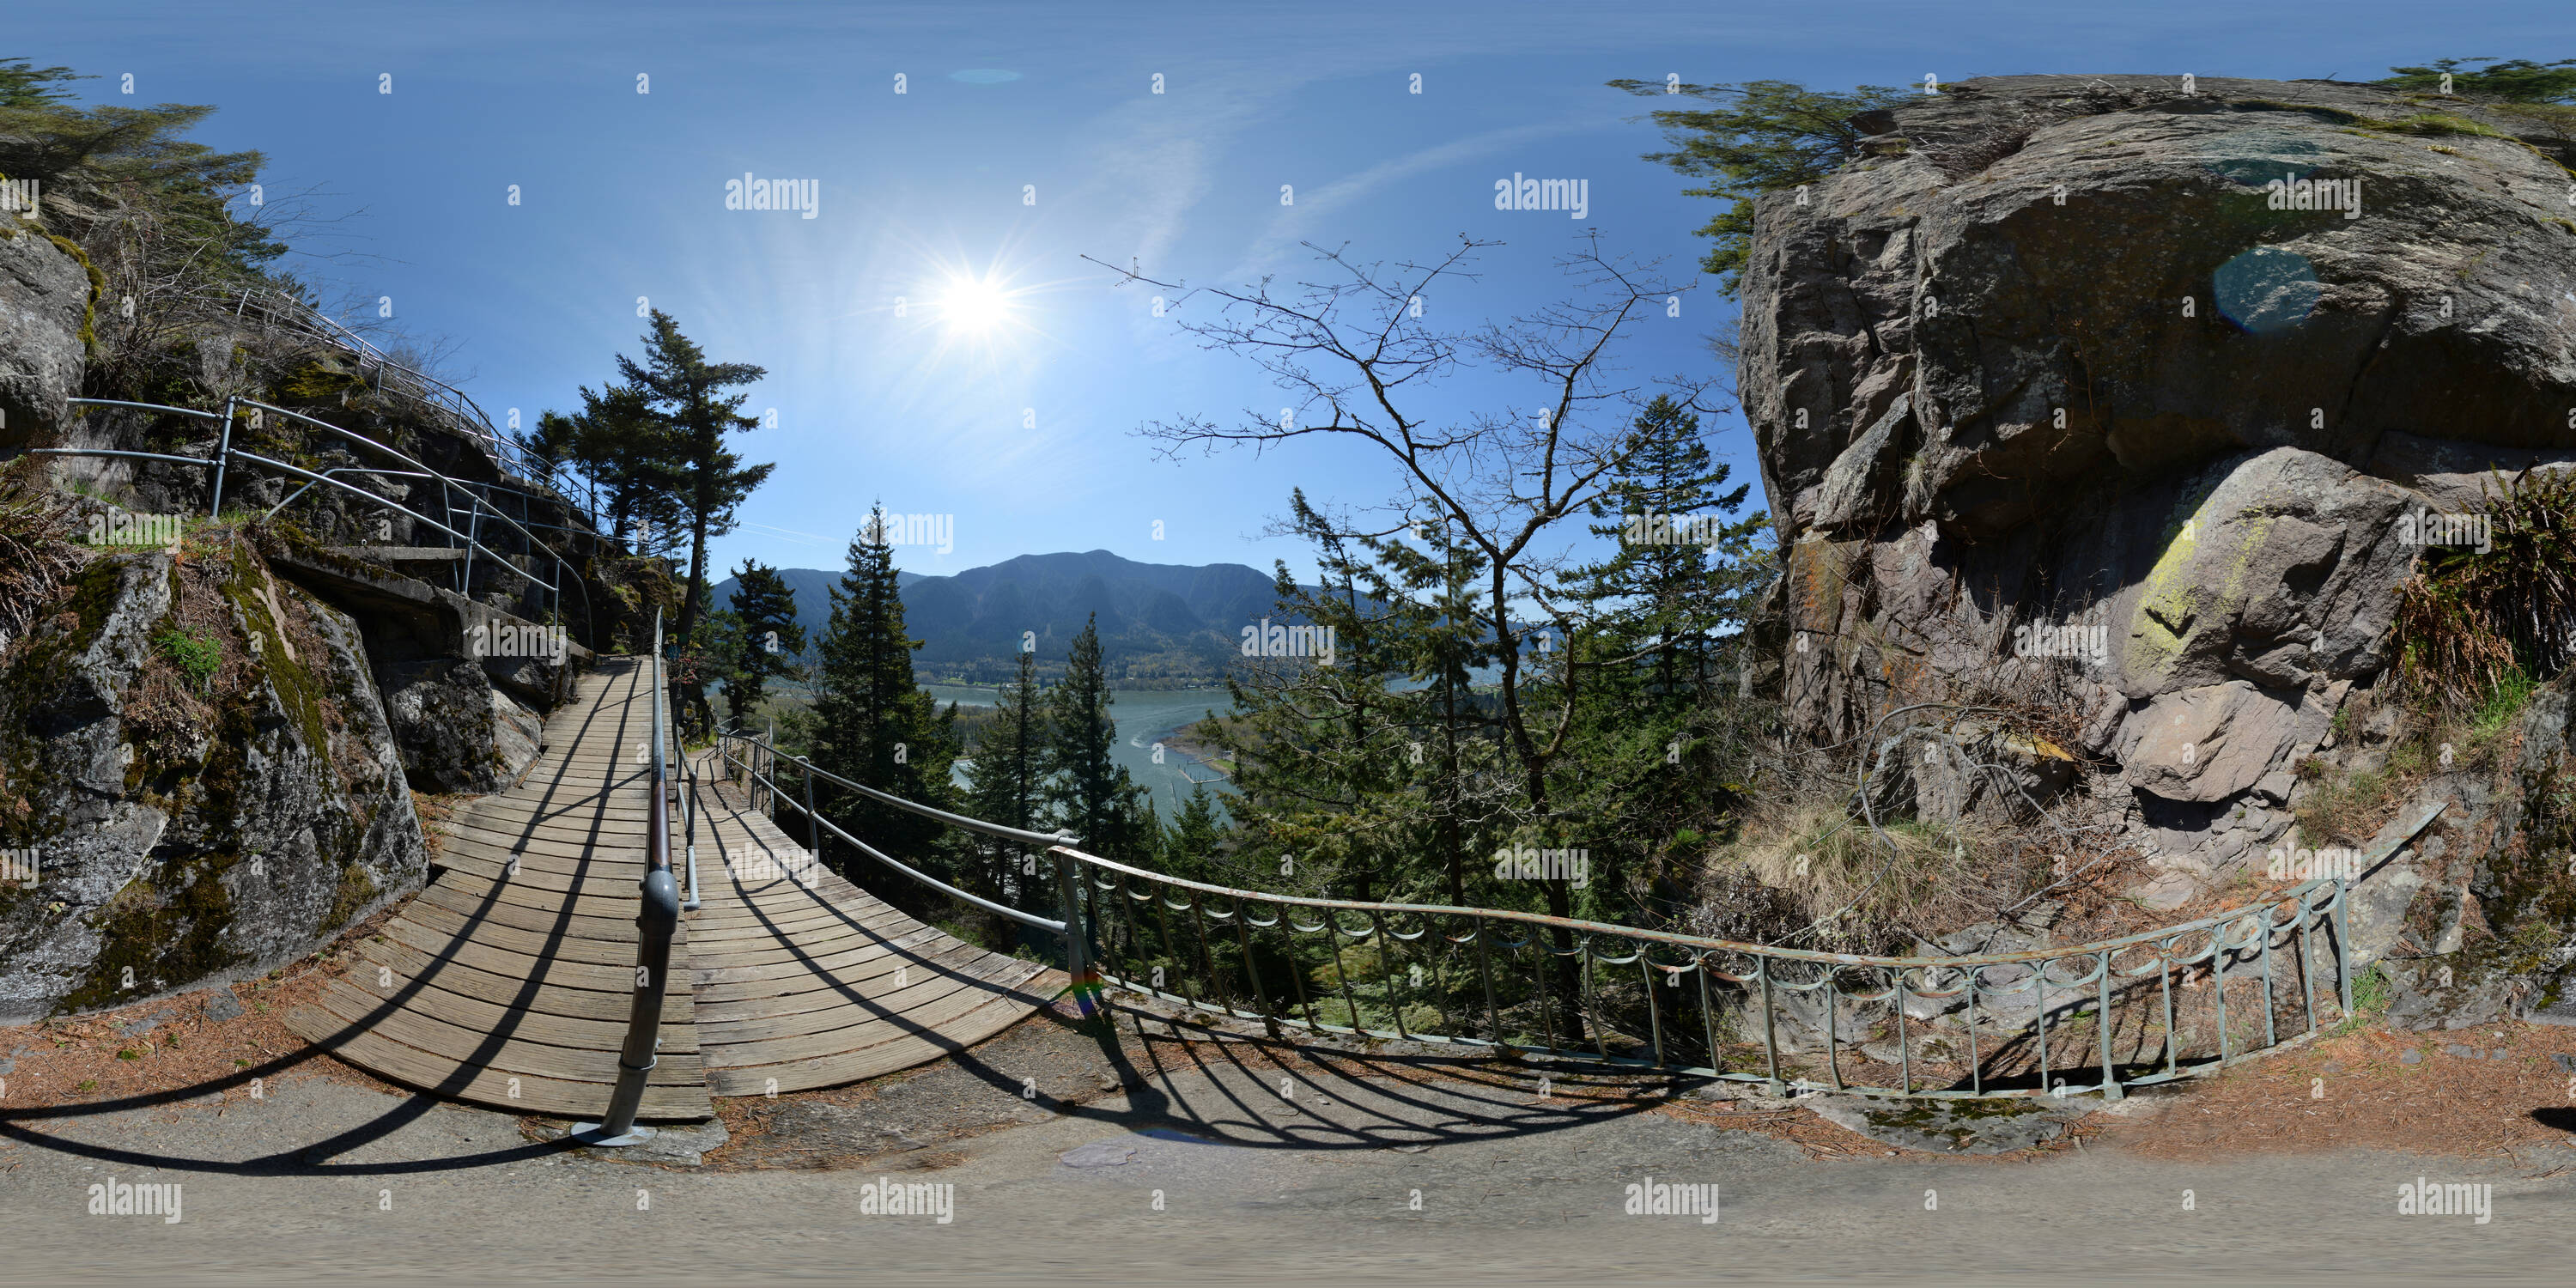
190,827
2053,366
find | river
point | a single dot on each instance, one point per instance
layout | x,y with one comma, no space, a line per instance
1144,718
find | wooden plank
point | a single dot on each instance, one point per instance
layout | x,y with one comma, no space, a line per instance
550,853
409,963
467,1047
516,1093
931,1000
610,883
615,930
441,945
535,945
723,973
885,973
519,1024
730,1079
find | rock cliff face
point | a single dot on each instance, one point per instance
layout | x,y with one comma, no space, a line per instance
196,756
208,740
44,308
2125,401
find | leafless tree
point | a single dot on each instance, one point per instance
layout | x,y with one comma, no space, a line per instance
1355,357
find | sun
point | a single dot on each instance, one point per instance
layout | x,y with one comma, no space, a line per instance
975,306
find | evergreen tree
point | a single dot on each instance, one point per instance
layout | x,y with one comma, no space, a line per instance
1660,745
1371,778
1089,793
1192,841
25,85
1010,756
764,617
1007,788
687,393
623,448
875,725
2511,80
1757,137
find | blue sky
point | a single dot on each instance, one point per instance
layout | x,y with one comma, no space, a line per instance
622,195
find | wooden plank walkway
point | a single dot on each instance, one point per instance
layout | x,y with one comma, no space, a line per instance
802,977
511,989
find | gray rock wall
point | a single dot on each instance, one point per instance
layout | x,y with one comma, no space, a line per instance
2048,368
190,831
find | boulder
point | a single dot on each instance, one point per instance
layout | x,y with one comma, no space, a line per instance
457,731
44,308
2066,354
189,829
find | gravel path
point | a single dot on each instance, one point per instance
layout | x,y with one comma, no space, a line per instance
1201,1168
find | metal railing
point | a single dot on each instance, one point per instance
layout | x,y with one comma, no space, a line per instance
225,454
466,416
2098,1017
816,824
656,922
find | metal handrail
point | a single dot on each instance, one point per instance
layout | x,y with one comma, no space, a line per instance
992,829
225,453
657,921
469,416
1741,988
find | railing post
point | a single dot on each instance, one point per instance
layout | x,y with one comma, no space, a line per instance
813,821
1077,937
223,454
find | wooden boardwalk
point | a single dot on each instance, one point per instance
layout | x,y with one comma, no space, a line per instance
511,989
804,978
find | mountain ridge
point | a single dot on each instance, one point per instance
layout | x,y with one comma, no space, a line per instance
1158,622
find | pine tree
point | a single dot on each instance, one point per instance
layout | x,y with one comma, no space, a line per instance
1194,837
764,614
1007,785
876,726
1760,136
619,444
1660,744
1010,755
1370,778
687,393
1090,794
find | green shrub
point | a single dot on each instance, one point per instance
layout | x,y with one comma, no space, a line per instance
195,651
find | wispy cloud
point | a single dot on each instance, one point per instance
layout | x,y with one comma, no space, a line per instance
1294,223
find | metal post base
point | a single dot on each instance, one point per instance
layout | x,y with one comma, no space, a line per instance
588,1134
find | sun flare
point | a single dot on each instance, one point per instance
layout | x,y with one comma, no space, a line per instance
974,305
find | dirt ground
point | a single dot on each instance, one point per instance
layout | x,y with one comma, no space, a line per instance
2492,1092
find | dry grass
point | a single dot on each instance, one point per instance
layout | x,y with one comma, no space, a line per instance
1864,887
37,554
